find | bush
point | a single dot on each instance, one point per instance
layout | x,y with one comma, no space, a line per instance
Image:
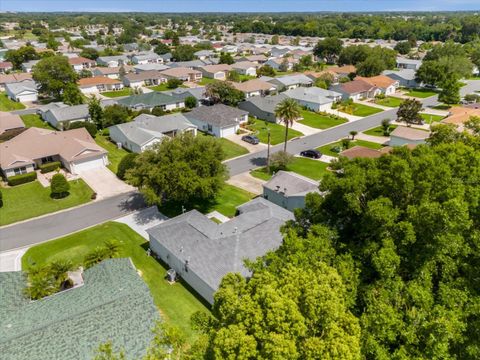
59,187
51,166
126,163
22,179
190,102
90,126
280,160
174,83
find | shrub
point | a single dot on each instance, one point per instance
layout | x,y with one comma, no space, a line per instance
89,126
22,179
126,163
191,102
51,166
280,160
174,83
59,187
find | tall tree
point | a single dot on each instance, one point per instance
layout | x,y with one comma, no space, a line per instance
223,92
54,74
450,93
328,49
409,112
226,58
72,95
95,111
287,111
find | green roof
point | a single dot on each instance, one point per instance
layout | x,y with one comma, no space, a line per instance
113,304
150,99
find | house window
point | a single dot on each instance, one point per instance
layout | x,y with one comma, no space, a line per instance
20,170
210,128
47,159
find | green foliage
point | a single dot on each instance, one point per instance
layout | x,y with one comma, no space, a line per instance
48,279
72,95
226,58
287,111
409,112
23,54
105,351
224,92
59,187
435,72
328,49
1,198
54,75
403,47
22,178
49,167
191,102
450,93
233,76
89,126
95,112
125,164
115,114
168,342
108,250
174,83
182,169
161,49
184,53
372,66
280,160
89,53
266,70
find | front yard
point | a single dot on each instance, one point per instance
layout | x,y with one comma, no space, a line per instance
118,93
312,169
277,131
163,87
34,120
8,105
175,302
328,149
206,81
32,199
231,149
421,93
389,101
378,131
114,153
359,109
319,121
429,118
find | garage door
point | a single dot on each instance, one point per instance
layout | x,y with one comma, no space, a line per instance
26,98
89,164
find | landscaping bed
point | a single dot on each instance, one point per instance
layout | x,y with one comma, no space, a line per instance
320,120
277,131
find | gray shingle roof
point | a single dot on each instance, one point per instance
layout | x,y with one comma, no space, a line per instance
313,94
289,80
290,184
151,99
70,112
267,103
113,304
18,87
218,115
213,250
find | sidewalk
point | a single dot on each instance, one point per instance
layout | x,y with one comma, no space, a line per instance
141,220
12,260
372,104
304,129
344,115
375,139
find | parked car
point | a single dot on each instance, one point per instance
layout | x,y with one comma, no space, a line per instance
313,154
251,139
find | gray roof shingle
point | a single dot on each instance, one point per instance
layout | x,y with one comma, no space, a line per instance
218,115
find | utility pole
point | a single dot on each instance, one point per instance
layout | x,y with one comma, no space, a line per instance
268,150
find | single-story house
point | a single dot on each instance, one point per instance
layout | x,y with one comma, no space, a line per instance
288,189
146,58
459,115
5,66
80,63
10,122
245,68
343,71
144,78
75,149
149,67
218,72
151,100
387,85
190,64
256,59
24,91
255,87
202,252
412,64
278,52
182,93
356,90
405,77
277,63
61,115
404,135
111,72
204,54
314,98
147,130
219,120
183,73
98,84
288,82
13,78
263,107
28,65
314,75
113,61
166,57
361,152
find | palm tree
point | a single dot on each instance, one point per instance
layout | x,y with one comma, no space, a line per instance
59,269
112,248
353,133
287,111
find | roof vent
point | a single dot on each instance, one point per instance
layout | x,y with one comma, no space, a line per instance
278,188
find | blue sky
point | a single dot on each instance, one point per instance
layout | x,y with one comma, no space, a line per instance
237,5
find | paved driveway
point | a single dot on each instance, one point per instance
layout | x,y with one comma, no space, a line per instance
104,182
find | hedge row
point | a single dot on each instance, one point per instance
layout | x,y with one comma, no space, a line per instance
51,166
22,179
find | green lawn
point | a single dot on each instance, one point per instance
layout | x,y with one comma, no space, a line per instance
432,118
312,169
421,93
327,149
232,149
442,107
34,120
389,101
277,132
243,78
206,81
175,302
318,121
9,105
114,153
118,93
362,110
163,87
378,131
30,200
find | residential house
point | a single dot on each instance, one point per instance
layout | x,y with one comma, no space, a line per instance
278,63
144,78
385,84
231,49
405,77
314,98
459,115
9,122
98,84
263,107
343,71
113,61
182,93
314,75
288,82
13,78
60,115
151,100
147,58
28,65
166,57
24,91
112,72
288,189
219,120
356,90
218,72
192,64
247,68
362,152
75,149
80,63
278,52
412,64
147,130
204,54
404,135
255,87
5,66
149,67
202,252
184,74
256,59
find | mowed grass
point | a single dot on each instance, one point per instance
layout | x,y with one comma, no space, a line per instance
389,101
118,93
163,87
115,155
312,169
34,120
421,93
9,105
29,200
361,110
327,149
277,132
319,121
206,81
231,149
430,118
175,302
378,131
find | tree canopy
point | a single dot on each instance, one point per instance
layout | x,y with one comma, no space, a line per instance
54,75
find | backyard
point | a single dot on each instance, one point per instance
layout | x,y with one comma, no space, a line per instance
277,131
114,153
328,149
30,200
420,93
34,120
9,105
176,302
359,109
118,93
389,101
319,121
312,169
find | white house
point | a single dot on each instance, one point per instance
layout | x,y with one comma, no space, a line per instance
245,68
404,135
98,84
314,98
24,91
147,58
